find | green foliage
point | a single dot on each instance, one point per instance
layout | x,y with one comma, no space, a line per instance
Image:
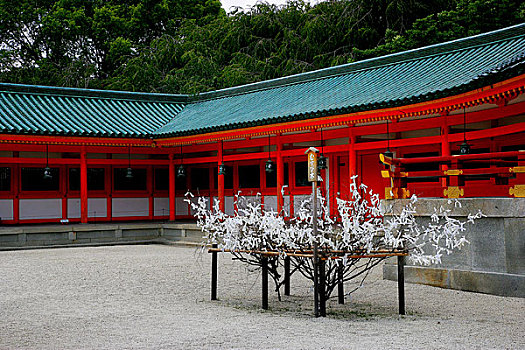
467,18
83,42
191,46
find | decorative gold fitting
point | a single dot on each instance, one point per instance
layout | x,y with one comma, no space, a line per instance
517,169
406,192
389,193
385,160
453,192
385,173
517,191
454,172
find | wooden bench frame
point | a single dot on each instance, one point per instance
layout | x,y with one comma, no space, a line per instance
332,255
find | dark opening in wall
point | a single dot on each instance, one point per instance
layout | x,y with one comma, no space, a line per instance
5,179
137,183
33,180
271,179
162,179
301,174
511,148
95,179
200,178
249,176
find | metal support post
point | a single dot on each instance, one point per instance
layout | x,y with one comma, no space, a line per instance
401,283
340,286
214,274
287,275
316,253
264,261
322,293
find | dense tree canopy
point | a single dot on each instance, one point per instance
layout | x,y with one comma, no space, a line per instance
190,46
83,42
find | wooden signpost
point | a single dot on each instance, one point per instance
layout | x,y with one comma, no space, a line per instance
319,302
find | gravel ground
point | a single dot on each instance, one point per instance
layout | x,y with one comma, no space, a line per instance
157,297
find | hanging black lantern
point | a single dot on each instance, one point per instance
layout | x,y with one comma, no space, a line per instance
322,162
464,148
181,171
47,173
222,169
269,167
47,169
129,173
388,153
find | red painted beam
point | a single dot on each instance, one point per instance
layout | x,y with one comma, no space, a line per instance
172,187
465,157
40,161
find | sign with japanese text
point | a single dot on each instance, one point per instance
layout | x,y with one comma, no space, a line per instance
312,164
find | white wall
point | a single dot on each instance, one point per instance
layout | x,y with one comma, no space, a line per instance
161,206
181,207
6,209
49,208
122,207
97,208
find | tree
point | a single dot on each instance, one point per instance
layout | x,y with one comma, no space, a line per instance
192,46
266,42
80,42
365,226
467,18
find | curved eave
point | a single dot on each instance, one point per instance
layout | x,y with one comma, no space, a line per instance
513,70
71,134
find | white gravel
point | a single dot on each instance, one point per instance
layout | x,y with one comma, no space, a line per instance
157,297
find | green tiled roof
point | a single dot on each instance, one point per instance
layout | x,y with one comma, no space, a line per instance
409,77
394,80
28,109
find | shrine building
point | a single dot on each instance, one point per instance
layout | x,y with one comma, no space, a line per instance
442,121
78,155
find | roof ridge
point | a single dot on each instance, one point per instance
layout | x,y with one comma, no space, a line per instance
92,93
504,34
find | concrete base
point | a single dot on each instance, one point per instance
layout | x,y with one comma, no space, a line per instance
43,236
494,260
504,284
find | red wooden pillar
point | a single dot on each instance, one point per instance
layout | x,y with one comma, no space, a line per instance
352,158
63,190
280,175
16,190
109,189
445,145
83,188
220,182
333,169
172,187
149,176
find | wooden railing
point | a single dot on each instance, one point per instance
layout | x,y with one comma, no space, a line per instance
495,174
